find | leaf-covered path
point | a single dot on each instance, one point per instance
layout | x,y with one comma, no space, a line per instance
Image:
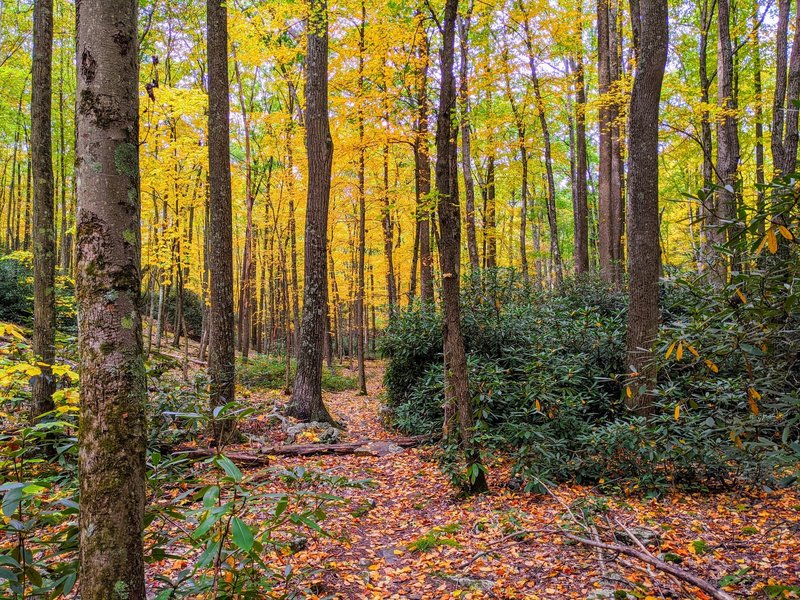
409,537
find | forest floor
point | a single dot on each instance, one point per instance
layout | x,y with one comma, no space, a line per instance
752,538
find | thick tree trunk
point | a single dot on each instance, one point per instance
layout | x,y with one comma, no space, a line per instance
44,242
457,395
466,146
650,27
113,389
306,403
221,352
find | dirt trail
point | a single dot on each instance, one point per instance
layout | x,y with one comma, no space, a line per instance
369,556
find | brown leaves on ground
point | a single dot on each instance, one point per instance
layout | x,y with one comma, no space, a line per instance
410,537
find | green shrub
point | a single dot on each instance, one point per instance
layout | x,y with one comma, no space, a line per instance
192,310
265,372
16,293
547,380
16,290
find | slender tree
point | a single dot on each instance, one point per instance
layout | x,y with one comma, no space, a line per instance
727,138
44,242
422,173
306,403
552,218
221,350
609,190
113,390
581,203
362,207
651,36
458,403
466,137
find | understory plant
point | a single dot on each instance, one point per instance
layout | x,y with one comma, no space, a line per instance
548,374
209,528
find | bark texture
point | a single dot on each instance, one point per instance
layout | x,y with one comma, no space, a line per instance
787,92
108,279
457,397
44,234
610,210
221,349
727,141
580,202
362,209
422,171
466,141
306,403
650,26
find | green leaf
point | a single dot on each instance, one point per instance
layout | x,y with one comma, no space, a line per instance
242,536
231,470
280,507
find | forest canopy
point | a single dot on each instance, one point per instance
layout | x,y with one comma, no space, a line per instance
300,297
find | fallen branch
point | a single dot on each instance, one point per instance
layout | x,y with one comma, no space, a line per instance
646,557
305,449
651,560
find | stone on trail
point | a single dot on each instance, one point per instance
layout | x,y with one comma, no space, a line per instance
379,448
313,432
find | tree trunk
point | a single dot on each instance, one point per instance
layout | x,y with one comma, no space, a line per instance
466,134
247,283
388,231
727,139
605,124
581,202
221,351
44,250
362,207
306,403
707,211
457,395
113,391
422,170
552,217
787,91
759,122
523,159
650,27
617,203
490,213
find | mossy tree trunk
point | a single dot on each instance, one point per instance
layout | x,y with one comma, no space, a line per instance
108,282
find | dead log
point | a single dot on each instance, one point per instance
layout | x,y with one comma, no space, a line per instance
308,449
